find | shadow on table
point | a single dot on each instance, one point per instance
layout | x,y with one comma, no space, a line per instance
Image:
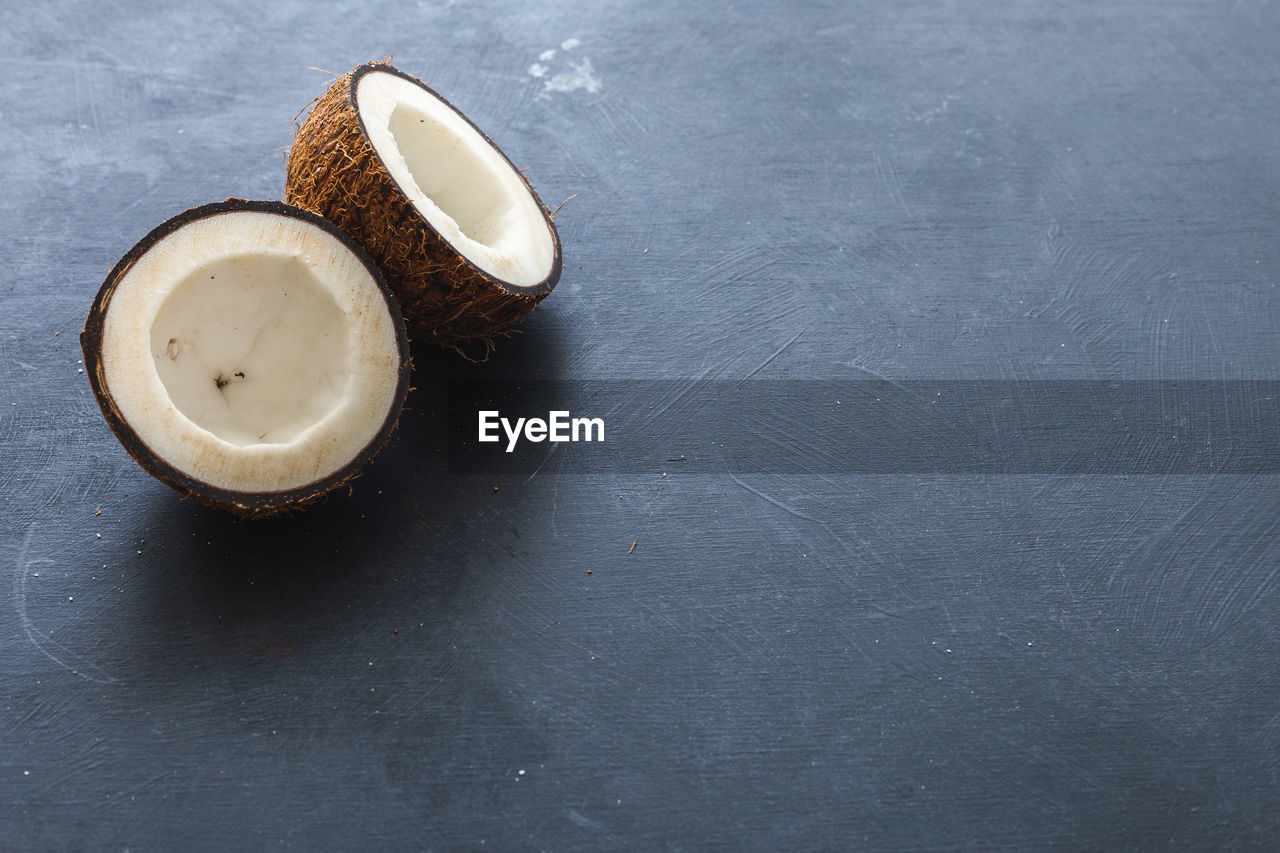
221,587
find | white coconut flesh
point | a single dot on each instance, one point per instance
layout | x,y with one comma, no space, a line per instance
252,351
461,184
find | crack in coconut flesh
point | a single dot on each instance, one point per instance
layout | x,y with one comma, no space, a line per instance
465,242
249,355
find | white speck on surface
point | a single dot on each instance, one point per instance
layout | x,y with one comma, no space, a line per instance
547,55
569,44
521,772
581,76
537,69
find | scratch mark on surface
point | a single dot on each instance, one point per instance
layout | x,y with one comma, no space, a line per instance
545,459
884,613
555,503
681,396
55,652
443,674
888,176
584,821
770,359
770,499
884,378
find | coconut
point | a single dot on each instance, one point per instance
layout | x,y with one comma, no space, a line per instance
463,239
249,354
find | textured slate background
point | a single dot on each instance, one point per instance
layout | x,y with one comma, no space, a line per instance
825,190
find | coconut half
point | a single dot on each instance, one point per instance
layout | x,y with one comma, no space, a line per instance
463,239
248,354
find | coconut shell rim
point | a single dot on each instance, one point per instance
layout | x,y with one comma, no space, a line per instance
245,503
533,291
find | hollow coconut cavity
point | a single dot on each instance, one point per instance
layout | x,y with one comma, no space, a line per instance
463,239
249,355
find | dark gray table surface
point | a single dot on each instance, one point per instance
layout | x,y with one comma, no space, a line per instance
822,659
